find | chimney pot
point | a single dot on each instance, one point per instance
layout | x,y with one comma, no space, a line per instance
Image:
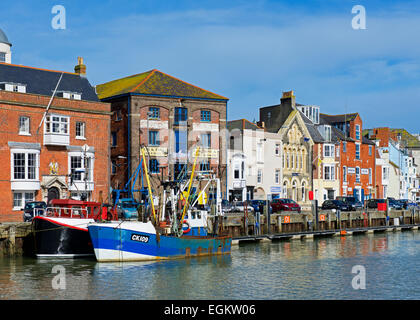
80,68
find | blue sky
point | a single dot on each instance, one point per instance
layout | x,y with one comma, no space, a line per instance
248,51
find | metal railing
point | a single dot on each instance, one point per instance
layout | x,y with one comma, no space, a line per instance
61,212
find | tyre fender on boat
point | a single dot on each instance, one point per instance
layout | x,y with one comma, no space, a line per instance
188,226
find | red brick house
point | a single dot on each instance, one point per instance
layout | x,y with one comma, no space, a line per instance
357,156
60,154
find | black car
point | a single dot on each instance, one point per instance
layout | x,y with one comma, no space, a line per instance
32,208
335,204
373,203
353,202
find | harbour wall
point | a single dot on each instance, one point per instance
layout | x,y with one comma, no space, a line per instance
16,238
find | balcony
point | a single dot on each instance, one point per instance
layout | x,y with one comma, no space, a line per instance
56,139
56,130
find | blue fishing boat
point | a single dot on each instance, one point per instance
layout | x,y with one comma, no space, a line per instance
139,241
166,236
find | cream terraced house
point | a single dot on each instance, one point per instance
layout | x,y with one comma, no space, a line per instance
254,162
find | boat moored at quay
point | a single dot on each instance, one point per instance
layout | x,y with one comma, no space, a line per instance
61,231
168,235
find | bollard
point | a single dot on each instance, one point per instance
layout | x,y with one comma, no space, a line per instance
12,240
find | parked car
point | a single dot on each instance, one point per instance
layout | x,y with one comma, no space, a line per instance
336,204
395,204
406,204
239,206
353,202
373,203
256,204
127,208
32,208
284,205
226,206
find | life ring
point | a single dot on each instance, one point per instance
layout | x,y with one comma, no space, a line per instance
188,228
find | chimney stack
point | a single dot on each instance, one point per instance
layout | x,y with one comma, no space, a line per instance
80,68
288,98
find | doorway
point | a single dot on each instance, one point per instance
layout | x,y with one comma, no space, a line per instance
53,193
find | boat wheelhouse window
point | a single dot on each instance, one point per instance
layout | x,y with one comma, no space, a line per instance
2,56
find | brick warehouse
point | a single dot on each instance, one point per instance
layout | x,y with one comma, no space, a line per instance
170,117
74,138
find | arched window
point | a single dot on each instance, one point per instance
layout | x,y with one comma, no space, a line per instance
294,190
285,189
303,190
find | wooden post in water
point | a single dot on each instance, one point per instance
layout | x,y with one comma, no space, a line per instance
12,240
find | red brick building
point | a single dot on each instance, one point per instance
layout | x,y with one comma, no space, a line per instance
357,156
60,154
169,116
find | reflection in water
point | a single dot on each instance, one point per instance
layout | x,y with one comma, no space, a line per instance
314,269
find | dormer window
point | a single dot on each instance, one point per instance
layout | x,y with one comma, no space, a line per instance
328,133
311,112
13,87
69,95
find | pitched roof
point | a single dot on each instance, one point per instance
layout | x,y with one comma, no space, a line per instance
154,82
243,124
43,82
408,139
326,118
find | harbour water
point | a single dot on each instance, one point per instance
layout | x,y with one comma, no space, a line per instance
314,269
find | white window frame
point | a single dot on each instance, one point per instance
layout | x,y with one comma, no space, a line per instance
329,174
357,174
81,154
24,128
331,152
82,129
277,176
328,133
357,153
259,176
357,133
26,153
63,126
24,198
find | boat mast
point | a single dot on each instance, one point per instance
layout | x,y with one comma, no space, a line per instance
148,185
190,184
